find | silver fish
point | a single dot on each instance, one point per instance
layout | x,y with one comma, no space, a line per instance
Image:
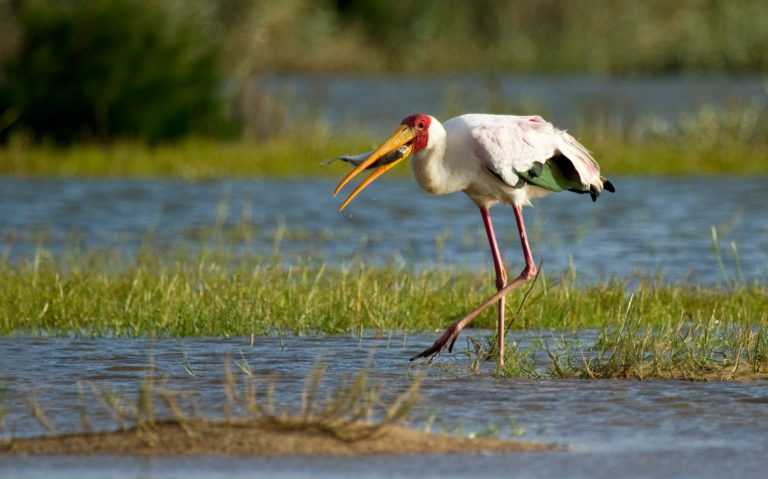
355,160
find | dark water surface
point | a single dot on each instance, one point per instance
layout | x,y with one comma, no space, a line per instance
650,225
612,428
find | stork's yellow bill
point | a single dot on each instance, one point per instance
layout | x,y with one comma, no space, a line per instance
403,136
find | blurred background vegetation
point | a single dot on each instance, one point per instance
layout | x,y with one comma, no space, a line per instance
94,69
158,70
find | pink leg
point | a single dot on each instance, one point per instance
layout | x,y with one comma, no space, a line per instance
450,335
501,278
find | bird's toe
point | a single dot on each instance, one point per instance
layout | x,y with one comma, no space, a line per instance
446,340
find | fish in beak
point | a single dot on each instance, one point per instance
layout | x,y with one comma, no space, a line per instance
355,160
395,149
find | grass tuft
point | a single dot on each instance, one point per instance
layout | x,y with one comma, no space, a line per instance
701,348
356,409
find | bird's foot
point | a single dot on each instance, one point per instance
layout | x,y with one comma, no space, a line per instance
450,334
446,340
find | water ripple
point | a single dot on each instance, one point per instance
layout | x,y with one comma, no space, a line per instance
650,225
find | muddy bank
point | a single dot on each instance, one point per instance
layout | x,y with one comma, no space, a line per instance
258,438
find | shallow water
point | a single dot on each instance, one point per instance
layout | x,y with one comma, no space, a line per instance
650,225
616,428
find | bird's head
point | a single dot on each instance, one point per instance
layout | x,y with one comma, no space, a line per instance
413,133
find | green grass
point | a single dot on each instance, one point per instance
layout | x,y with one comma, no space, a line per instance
646,327
214,292
289,158
690,346
731,141
649,158
191,159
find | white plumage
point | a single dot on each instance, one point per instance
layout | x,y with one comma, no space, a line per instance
480,149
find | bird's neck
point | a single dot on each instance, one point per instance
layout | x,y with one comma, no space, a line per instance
430,169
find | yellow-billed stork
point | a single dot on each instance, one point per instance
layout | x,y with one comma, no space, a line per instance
493,159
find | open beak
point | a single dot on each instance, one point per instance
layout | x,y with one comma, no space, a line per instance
402,136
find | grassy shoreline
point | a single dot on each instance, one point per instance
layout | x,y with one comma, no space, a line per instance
214,293
197,159
635,327
705,141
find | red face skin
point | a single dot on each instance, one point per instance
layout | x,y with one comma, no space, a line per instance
420,126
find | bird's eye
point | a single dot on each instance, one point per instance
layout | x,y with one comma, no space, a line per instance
421,125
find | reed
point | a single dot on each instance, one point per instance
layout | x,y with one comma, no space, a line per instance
702,348
516,35
356,408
